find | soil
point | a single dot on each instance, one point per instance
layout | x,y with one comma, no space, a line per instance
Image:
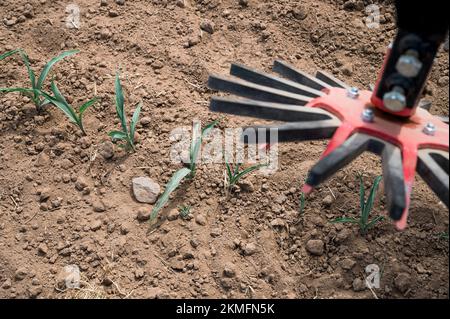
62,203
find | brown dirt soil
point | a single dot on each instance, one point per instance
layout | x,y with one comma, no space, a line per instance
118,256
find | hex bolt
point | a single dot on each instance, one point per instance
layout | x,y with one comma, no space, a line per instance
395,100
430,129
368,115
353,93
409,64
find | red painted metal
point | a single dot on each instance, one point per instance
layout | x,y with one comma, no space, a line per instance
406,133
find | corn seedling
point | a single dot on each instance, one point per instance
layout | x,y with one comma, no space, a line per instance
234,175
184,211
36,84
366,208
60,102
197,138
126,134
172,185
9,53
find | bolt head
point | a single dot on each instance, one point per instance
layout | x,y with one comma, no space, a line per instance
353,93
394,101
430,129
368,115
409,66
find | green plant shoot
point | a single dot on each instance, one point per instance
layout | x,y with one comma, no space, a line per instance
126,134
366,208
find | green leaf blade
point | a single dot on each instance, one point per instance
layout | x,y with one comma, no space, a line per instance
49,65
345,220
9,53
134,121
173,184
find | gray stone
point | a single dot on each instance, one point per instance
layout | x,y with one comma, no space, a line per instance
145,190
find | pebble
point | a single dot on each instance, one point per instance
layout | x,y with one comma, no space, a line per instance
207,26
98,206
20,274
247,186
402,282
7,284
358,285
120,2
42,249
143,214
173,214
96,225
315,247
177,265
443,81
81,183
42,160
327,201
145,121
200,219
106,150
145,190
250,249
347,264
229,270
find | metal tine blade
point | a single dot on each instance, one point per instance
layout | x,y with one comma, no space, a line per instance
337,159
331,80
298,76
267,110
254,91
265,79
394,182
291,132
433,167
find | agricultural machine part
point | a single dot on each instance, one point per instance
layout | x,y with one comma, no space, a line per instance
391,121
323,107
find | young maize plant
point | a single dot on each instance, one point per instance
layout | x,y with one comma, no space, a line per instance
184,172
126,134
60,102
234,175
302,204
36,84
197,139
366,208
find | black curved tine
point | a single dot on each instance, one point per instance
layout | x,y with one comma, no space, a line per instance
394,182
298,76
340,157
267,110
291,132
433,167
260,78
255,91
331,80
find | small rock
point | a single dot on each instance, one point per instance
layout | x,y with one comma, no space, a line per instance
113,13
120,2
103,3
327,201
20,274
42,159
200,219
173,215
347,263
358,285
7,284
315,247
80,184
125,228
207,26
106,150
250,249
145,190
139,273
402,282
98,206
143,214
247,186
193,41
44,194
145,121
96,225
42,249
229,270
347,69
177,265
226,283
443,81
243,3
180,3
